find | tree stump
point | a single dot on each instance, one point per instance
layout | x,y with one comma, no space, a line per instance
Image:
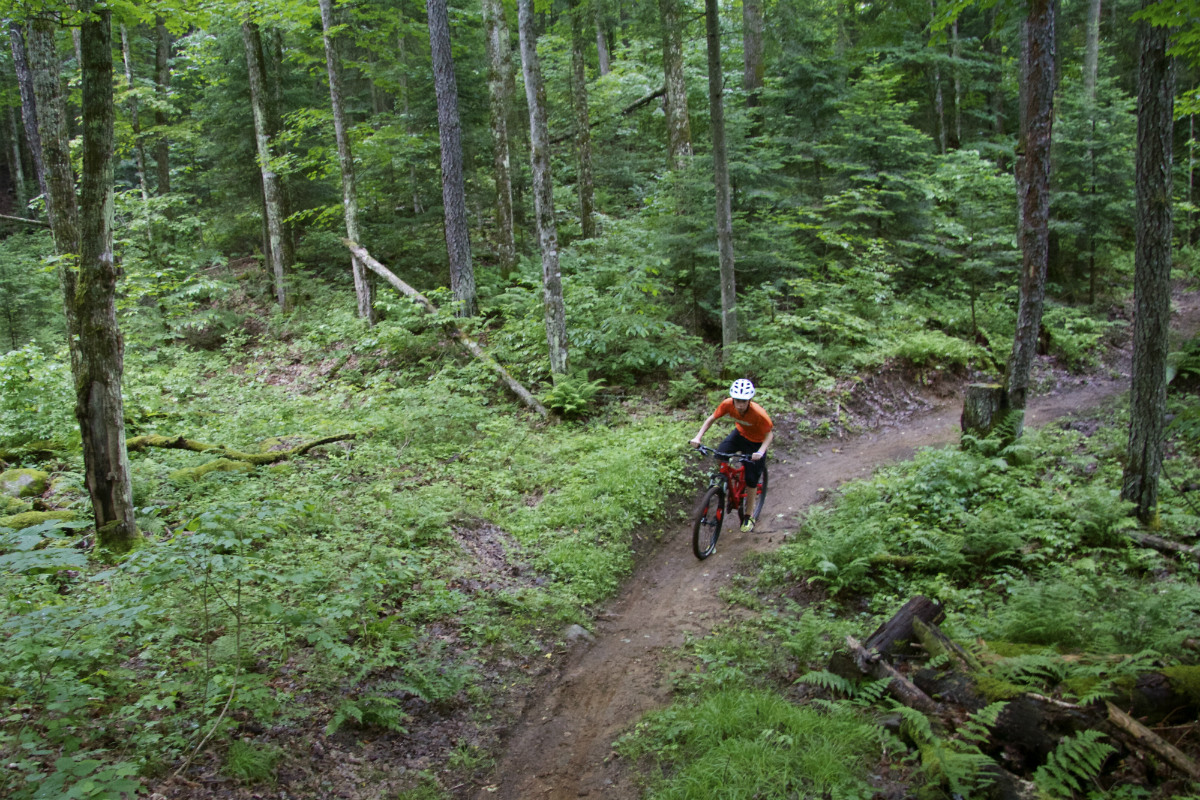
984,407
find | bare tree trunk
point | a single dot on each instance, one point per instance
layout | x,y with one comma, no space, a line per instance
18,169
752,50
602,54
333,65
162,83
1033,171
454,196
499,71
272,194
1091,51
139,147
583,136
679,129
29,115
939,103
543,192
273,77
98,403
729,326
61,204
956,55
1152,271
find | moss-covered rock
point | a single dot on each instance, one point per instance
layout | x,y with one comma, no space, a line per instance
23,482
28,519
219,465
13,505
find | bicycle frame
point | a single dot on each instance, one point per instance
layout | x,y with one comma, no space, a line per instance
732,472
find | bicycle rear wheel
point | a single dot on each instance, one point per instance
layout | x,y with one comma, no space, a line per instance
706,524
762,491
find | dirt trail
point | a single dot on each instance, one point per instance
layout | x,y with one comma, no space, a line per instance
562,745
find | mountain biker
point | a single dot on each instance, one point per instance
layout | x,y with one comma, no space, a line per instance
752,433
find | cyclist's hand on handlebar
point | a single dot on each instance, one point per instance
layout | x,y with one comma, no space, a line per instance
694,442
756,456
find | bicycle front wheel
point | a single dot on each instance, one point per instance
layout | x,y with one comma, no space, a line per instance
762,492
706,524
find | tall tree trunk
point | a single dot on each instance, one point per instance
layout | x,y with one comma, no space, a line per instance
98,405
724,215
939,103
402,47
53,134
1152,271
1091,50
956,55
273,75
29,116
500,95
139,147
162,84
583,136
18,169
543,192
454,194
333,65
679,128
272,194
602,53
1033,177
752,50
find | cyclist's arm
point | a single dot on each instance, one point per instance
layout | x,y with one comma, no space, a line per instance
762,450
707,424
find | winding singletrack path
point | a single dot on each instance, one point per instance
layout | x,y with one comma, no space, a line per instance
562,745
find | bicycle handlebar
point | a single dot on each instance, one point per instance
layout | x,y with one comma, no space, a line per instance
730,457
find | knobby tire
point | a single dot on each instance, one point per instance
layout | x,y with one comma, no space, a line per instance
706,524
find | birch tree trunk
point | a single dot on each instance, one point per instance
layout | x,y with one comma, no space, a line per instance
679,128
272,194
1091,50
454,198
543,192
583,136
1152,271
162,84
729,327
333,65
98,404
1033,176
500,96
29,116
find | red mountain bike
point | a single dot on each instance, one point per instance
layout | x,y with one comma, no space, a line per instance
726,492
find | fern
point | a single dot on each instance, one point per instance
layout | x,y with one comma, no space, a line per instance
1076,759
828,681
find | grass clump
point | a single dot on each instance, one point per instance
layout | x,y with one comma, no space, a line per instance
754,744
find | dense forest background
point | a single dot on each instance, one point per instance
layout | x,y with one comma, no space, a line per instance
314,461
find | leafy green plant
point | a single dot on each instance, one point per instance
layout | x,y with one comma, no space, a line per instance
1076,760
572,396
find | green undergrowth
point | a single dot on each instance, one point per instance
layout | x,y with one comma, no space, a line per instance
335,593
1026,549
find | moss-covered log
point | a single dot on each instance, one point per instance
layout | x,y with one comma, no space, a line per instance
255,459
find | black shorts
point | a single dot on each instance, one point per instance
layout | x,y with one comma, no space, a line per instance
736,443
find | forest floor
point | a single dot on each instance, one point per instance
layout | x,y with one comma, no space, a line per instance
558,743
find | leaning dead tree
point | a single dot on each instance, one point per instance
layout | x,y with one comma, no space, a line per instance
469,344
254,459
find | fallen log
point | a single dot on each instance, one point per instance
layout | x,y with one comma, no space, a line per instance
1144,739
1163,545
467,342
256,459
871,663
891,637
937,643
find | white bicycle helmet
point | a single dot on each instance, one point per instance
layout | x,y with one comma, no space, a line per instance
742,389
